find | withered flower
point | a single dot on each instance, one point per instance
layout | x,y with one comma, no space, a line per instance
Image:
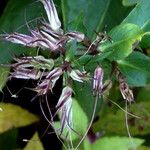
126,92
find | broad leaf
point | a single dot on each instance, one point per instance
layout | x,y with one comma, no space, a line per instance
96,13
130,2
21,12
140,14
146,38
3,76
136,69
121,143
143,94
34,143
117,126
12,116
123,36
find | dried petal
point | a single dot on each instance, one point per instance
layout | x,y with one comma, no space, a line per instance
127,94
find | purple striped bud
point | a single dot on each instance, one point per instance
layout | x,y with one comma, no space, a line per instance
51,12
64,106
23,73
21,39
98,80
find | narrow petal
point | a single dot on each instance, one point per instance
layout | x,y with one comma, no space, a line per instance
26,74
54,21
20,39
65,96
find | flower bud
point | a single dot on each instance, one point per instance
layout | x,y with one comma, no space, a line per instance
65,96
64,106
23,73
98,80
20,39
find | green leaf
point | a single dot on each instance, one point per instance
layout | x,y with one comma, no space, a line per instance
97,13
145,41
34,143
3,77
143,148
146,38
136,69
143,94
123,36
71,51
17,10
14,116
130,2
121,143
78,115
77,24
117,126
85,98
140,14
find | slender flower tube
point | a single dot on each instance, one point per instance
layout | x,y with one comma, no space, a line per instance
23,73
54,21
21,39
64,106
98,80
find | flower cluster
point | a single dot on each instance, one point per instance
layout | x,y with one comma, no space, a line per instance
47,71
49,36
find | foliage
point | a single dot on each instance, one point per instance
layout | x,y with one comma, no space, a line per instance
121,55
